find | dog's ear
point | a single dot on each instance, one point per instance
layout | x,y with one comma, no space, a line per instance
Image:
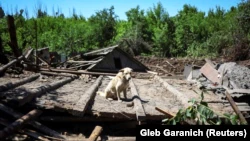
121,70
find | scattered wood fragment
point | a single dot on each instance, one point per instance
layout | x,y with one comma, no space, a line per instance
19,123
5,67
210,72
34,124
171,64
43,89
11,85
138,107
30,133
95,133
80,107
235,108
244,91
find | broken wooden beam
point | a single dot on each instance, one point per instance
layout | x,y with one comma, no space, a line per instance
19,123
43,89
95,133
33,134
82,62
11,85
138,107
235,108
34,124
244,91
5,67
56,74
82,104
78,72
182,97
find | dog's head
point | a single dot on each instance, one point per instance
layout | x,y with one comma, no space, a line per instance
126,73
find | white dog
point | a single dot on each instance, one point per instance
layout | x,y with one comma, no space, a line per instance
118,84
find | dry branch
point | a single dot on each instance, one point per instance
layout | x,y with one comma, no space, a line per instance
19,123
140,113
43,89
81,106
34,124
95,133
11,85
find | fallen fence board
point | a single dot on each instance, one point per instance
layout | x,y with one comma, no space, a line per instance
81,105
139,109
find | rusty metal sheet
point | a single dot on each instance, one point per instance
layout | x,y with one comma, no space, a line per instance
211,73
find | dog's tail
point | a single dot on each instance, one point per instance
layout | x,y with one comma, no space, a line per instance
101,93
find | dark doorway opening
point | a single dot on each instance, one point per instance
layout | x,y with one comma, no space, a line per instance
118,63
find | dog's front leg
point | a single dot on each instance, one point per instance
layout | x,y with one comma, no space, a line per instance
125,93
118,93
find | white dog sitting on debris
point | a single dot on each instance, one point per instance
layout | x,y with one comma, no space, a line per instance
118,84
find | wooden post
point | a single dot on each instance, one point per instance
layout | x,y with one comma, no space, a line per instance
34,124
235,108
43,89
11,85
140,113
12,30
95,133
80,107
15,126
5,67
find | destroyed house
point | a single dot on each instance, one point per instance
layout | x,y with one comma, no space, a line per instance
112,59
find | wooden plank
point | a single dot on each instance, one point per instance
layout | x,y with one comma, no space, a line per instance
138,107
34,124
19,123
95,133
245,91
43,89
78,72
11,85
56,74
80,107
235,108
210,73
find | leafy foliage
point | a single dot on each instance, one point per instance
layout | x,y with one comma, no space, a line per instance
148,32
201,114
